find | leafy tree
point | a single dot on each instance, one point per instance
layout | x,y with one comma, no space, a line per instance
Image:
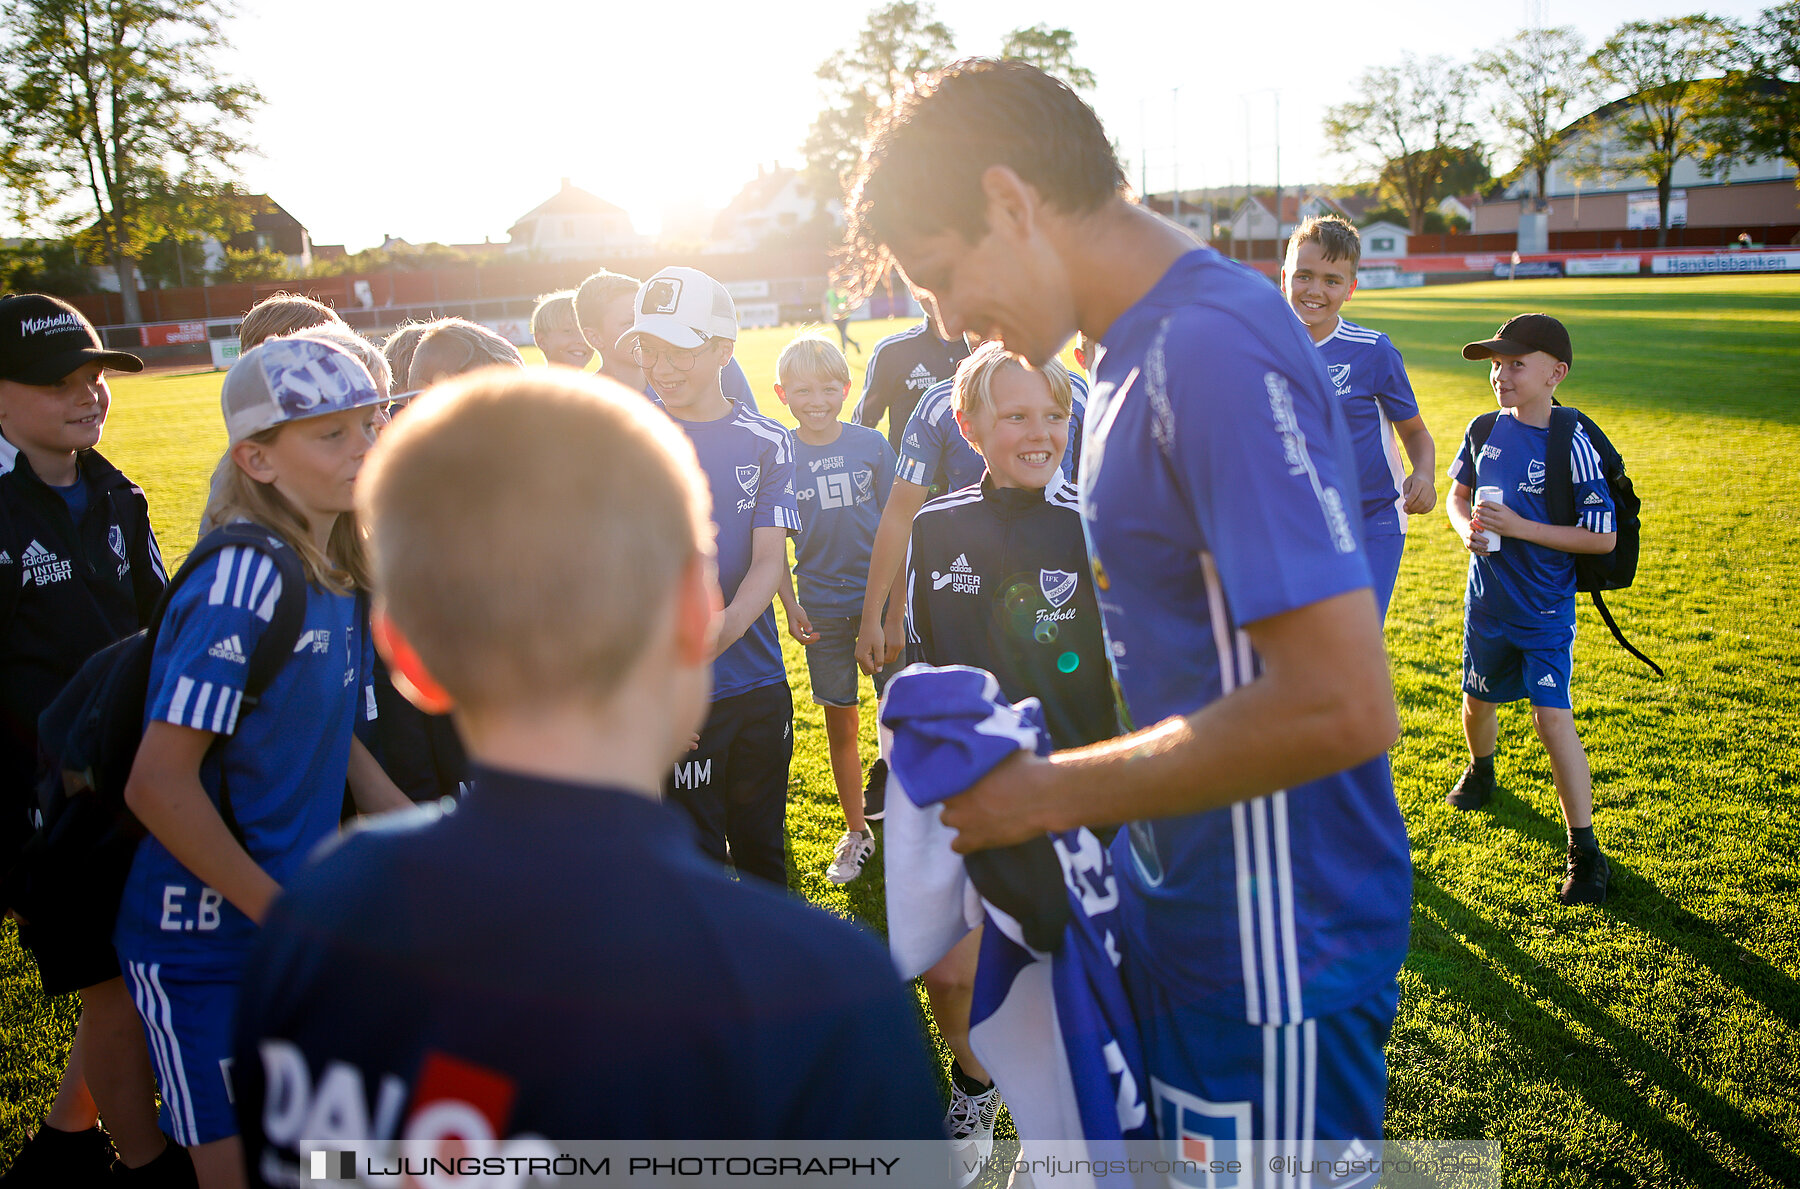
173,262
900,41
1666,72
1758,108
1051,51
44,266
1537,77
118,121
1408,124
251,264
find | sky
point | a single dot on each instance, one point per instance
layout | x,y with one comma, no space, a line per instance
447,122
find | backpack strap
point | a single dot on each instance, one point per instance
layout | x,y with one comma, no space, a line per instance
1627,645
1559,465
1479,431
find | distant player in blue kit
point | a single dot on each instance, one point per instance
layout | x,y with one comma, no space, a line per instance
1368,376
734,785
1519,612
842,474
1218,492
235,792
551,958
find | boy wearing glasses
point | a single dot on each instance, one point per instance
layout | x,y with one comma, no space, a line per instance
734,784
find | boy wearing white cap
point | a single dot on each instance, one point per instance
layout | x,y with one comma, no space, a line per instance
734,784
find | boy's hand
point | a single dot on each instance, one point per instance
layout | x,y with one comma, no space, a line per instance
869,647
893,635
1418,493
1492,517
800,626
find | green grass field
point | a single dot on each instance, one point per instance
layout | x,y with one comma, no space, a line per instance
1651,1041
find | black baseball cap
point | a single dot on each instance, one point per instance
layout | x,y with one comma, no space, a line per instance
43,339
1524,334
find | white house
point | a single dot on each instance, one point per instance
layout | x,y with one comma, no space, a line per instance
574,225
774,205
1384,241
1255,220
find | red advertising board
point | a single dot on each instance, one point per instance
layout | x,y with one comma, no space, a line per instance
170,334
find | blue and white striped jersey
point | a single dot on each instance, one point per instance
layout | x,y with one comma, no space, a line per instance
749,464
1370,381
1525,584
1218,491
285,763
935,455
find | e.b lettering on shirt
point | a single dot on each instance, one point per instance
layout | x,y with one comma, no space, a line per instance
182,912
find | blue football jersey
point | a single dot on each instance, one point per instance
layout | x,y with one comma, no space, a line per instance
749,465
1219,490
1370,380
284,762
840,489
935,455
1525,584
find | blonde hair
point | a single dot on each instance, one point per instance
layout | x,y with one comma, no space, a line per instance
452,346
282,313
341,568
813,355
1334,235
371,355
399,346
508,606
554,312
974,391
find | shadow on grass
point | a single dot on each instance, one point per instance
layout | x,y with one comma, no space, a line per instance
1640,904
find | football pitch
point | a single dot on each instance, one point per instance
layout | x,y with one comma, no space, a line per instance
1654,1040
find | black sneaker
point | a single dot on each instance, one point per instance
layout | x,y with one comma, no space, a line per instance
1587,877
875,792
61,1160
1475,789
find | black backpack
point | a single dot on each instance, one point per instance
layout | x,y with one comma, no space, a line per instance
72,872
1594,572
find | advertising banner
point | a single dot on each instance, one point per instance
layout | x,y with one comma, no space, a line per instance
172,334
1718,262
1603,266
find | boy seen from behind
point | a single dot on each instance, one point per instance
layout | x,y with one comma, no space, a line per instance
577,674
1519,625
1369,379
734,785
842,475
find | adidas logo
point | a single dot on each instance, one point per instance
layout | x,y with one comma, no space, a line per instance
961,564
5,558
921,372
1547,681
229,649
37,555
912,439
1593,498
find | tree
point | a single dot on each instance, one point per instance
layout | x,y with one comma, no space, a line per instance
251,264
1537,78
1051,51
1758,108
118,122
44,266
1408,124
900,42
1666,73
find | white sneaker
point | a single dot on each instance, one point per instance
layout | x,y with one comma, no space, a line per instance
853,850
970,1122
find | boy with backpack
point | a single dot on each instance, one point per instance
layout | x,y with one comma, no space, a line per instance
79,569
734,784
843,472
1519,626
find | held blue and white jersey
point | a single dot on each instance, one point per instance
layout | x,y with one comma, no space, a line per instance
1524,584
841,489
935,455
1219,491
284,760
1370,380
749,464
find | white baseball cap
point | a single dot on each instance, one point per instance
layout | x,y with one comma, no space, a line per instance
684,308
288,379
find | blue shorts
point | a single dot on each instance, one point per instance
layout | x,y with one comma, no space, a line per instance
187,1018
1503,663
1383,553
1312,1087
831,662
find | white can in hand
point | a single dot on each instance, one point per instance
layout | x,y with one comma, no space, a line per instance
1491,495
